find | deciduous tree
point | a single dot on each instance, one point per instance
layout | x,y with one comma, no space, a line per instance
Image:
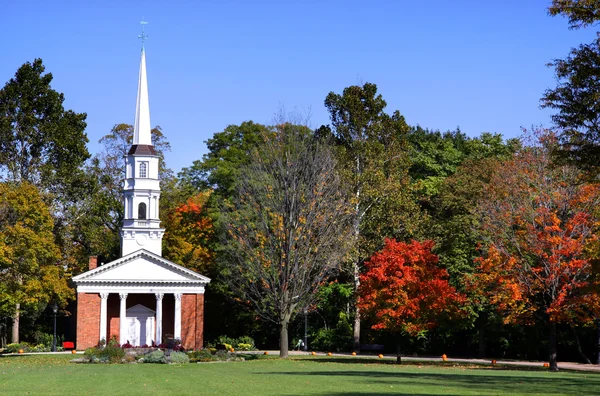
537,220
287,226
189,232
373,162
29,258
581,13
405,291
575,100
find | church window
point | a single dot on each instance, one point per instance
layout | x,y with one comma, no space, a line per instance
142,211
143,169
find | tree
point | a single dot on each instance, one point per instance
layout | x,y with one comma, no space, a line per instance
188,238
581,13
40,141
228,152
404,289
43,144
287,226
575,99
29,268
373,161
537,220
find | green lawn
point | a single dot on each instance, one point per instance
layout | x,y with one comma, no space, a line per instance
300,376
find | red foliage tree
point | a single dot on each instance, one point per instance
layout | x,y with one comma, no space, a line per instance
404,290
538,219
189,234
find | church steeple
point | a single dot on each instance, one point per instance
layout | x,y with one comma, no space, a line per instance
141,190
141,131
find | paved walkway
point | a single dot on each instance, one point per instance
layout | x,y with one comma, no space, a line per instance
522,363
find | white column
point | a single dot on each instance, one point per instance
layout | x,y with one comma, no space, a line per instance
159,298
103,315
123,319
177,331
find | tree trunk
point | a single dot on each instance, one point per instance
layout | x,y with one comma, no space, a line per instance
398,353
598,340
552,347
356,335
579,350
283,339
15,324
481,341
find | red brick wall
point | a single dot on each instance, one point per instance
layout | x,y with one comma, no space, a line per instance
188,321
93,262
192,321
88,320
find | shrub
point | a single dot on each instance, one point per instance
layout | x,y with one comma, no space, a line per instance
179,357
157,356
13,348
335,339
203,355
114,353
245,343
109,354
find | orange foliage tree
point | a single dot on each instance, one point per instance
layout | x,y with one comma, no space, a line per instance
537,220
404,290
190,233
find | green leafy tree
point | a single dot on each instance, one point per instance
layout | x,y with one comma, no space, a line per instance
43,144
373,163
40,141
228,152
575,100
30,272
581,13
287,226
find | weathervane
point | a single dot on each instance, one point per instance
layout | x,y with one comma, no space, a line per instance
143,36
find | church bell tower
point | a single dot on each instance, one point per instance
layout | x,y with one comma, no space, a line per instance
141,190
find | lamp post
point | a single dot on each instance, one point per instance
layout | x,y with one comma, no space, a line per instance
305,331
55,310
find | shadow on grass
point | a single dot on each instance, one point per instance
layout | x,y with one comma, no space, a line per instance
423,363
508,382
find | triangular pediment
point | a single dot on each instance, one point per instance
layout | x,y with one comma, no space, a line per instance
139,310
141,266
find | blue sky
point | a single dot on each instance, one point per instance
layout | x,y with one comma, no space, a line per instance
475,64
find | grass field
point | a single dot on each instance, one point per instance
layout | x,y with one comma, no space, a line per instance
47,374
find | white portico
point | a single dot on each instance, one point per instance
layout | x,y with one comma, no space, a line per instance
142,274
140,297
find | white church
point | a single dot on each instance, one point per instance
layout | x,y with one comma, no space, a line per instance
140,298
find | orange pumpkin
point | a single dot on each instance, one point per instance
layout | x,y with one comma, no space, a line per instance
266,352
73,351
546,364
353,353
313,353
380,356
21,351
329,354
494,361
444,357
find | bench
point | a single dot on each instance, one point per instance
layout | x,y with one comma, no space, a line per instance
68,345
372,347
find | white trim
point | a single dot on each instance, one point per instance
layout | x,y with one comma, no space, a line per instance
103,315
177,330
159,299
89,275
140,290
122,318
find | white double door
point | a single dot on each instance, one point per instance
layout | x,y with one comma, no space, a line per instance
140,325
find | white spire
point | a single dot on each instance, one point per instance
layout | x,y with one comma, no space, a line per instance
141,131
